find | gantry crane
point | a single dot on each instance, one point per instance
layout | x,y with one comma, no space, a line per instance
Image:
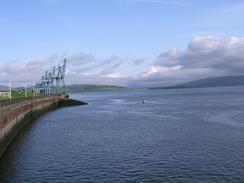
53,82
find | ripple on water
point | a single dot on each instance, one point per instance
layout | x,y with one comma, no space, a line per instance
185,136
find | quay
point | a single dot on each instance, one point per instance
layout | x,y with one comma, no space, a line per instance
14,115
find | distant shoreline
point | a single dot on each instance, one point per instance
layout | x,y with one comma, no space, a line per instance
223,81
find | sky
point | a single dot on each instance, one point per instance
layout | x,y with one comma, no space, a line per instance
134,43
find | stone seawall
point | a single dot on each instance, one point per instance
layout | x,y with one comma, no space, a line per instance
14,117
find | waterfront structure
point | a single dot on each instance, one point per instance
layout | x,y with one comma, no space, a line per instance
53,82
14,116
5,94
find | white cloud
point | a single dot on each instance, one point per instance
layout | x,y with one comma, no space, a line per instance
110,74
205,56
81,68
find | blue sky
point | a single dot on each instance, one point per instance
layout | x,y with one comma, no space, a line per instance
128,31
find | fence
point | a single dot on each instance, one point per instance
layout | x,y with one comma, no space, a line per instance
7,102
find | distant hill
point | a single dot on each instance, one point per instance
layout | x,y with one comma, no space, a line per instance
223,81
87,87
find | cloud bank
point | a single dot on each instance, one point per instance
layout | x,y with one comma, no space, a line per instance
206,56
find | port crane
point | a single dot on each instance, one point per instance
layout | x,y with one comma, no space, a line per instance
53,82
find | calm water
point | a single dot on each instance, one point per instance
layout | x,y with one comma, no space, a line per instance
176,136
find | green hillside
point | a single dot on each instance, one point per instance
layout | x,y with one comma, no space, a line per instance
86,88
223,81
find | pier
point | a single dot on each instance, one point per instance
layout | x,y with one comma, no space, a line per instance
16,112
14,116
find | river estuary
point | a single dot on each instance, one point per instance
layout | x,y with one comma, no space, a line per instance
190,135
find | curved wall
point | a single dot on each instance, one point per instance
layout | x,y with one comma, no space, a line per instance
14,117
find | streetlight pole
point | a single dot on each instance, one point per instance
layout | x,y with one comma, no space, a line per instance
25,91
10,90
33,90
